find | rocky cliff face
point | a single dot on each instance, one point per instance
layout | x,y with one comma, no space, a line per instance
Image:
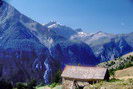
73,53
107,46
115,48
22,54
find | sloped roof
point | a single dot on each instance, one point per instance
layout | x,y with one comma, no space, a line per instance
84,73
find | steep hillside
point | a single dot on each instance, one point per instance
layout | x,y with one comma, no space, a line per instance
107,46
22,54
30,50
118,63
116,84
67,52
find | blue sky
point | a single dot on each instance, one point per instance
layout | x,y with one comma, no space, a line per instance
113,16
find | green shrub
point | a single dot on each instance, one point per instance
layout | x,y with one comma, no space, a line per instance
5,85
53,85
128,64
112,62
114,80
130,81
40,85
21,86
32,84
58,76
112,72
29,85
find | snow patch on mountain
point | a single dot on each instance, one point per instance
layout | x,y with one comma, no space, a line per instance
80,35
100,35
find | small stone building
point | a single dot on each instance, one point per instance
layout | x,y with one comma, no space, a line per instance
77,77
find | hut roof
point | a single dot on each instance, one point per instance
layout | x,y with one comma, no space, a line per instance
84,73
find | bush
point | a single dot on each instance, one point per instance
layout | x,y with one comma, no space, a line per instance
5,85
40,84
21,86
129,64
53,85
30,85
130,81
57,77
114,80
112,72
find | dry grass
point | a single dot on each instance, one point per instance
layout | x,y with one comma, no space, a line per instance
118,84
40,88
46,87
125,73
127,84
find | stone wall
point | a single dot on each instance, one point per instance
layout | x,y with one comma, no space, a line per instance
68,84
72,84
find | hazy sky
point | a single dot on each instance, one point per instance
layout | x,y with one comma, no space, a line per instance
114,16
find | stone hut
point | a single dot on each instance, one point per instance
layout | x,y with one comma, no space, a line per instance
77,77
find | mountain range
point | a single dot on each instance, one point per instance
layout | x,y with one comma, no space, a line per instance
30,50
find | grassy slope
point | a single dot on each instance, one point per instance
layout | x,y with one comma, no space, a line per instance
40,88
125,73
126,55
46,87
119,84
119,63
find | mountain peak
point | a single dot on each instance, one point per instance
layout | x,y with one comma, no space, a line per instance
52,24
100,32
